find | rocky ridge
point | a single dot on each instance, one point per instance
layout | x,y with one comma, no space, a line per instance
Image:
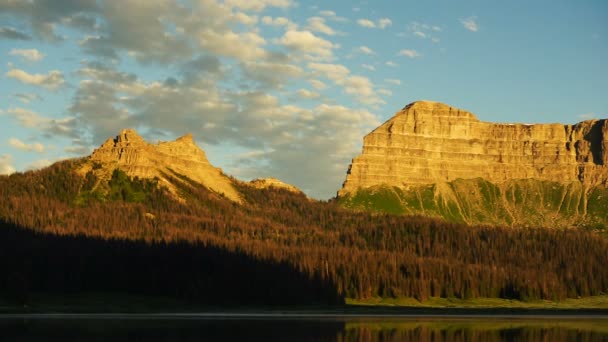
130,153
430,143
264,183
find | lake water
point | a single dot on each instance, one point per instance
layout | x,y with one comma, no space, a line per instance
299,328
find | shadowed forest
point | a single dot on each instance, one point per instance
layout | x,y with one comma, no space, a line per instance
63,234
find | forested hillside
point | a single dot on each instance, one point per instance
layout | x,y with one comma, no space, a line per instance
203,246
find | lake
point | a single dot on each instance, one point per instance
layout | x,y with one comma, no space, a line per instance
299,327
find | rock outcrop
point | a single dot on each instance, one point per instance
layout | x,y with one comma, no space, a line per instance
137,158
430,143
264,183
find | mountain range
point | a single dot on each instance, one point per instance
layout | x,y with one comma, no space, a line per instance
159,219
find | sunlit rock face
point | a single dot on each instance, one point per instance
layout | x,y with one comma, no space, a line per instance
429,142
130,153
265,183
432,143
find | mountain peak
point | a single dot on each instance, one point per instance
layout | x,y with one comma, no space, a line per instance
129,135
188,138
130,153
264,183
435,110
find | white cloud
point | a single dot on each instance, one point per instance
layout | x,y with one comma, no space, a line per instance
307,43
5,164
317,24
244,46
392,81
48,126
380,23
409,53
333,72
307,94
422,31
360,87
368,67
53,80
384,22
29,54
317,84
470,23
279,22
27,97
366,23
366,50
385,92
391,64
245,19
257,5
20,145
333,16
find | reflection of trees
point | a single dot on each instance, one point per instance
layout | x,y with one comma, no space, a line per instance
481,330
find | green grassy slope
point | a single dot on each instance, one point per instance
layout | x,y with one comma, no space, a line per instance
524,202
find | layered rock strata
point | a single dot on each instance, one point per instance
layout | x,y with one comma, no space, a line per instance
430,142
137,158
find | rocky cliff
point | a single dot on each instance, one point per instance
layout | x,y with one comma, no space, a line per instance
137,158
430,144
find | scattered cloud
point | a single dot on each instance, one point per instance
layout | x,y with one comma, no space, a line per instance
11,33
258,5
27,97
29,54
366,50
333,72
53,80
385,92
391,64
307,43
332,16
279,22
359,86
47,126
368,67
307,94
317,24
22,146
6,167
409,53
318,85
380,23
422,31
384,23
366,23
470,23
392,81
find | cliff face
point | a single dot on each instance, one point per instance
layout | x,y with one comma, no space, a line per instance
137,158
430,143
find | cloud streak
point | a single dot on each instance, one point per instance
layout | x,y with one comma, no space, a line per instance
30,54
53,80
470,23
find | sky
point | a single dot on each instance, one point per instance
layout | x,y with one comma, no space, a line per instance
284,88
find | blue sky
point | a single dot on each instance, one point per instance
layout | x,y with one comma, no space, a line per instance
283,88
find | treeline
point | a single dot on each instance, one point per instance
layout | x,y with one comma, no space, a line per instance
357,254
48,263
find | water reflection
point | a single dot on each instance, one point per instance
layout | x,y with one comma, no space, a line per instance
476,330
305,329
